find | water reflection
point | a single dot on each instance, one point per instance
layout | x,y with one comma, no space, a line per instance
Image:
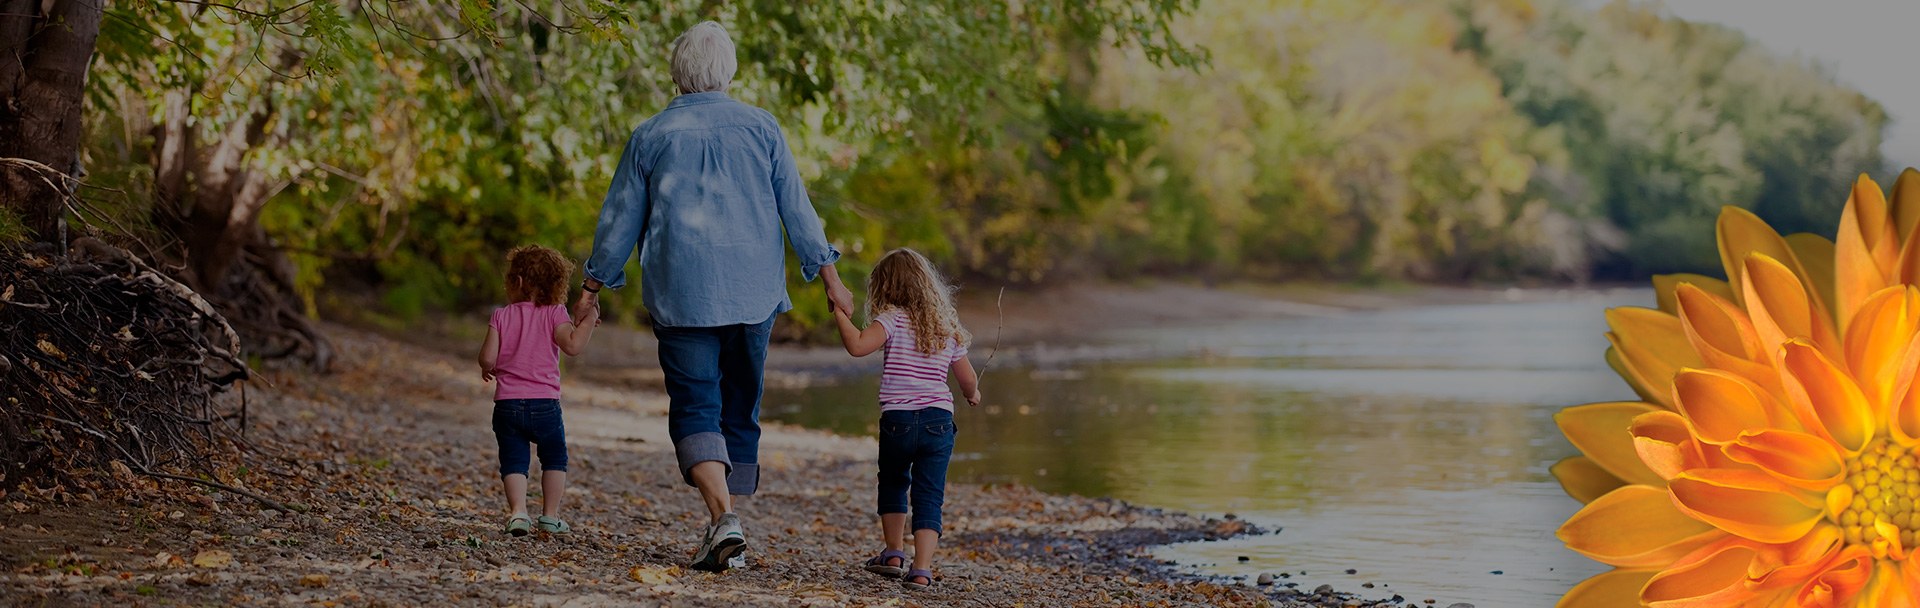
1410,445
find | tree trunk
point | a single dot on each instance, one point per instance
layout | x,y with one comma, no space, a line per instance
45,48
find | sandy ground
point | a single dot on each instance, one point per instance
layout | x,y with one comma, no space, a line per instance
390,460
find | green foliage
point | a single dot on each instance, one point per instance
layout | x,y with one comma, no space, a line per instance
12,232
1015,142
1665,121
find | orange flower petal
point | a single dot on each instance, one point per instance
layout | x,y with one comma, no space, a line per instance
1713,576
1582,479
1665,444
1877,342
1635,526
1906,203
1887,543
1826,399
1781,567
1887,589
1653,345
1740,234
1664,286
1610,589
1601,431
1721,406
1782,310
1803,460
1627,374
1904,419
1815,253
1839,583
1748,504
1713,322
1865,250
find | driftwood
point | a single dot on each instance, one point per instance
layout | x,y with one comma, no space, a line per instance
109,360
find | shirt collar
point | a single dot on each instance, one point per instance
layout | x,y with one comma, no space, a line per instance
690,99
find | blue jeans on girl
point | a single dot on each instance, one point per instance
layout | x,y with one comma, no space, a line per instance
518,421
915,446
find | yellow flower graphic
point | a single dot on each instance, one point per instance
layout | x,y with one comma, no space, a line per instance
1774,457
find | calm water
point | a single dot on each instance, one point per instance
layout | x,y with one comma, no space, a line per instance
1409,445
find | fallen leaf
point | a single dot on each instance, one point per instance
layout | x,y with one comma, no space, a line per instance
166,560
51,350
20,507
314,580
650,575
125,334
8,294
213,558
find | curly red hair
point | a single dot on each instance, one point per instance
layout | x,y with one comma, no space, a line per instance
537,274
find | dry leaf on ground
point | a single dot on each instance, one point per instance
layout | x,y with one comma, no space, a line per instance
213,558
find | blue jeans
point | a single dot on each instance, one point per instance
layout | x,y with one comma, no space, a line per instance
915,446
713,388
518,421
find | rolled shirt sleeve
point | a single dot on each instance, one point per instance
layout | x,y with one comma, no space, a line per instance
805,232
623,220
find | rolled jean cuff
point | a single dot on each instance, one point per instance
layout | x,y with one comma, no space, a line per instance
702,447
933,525
743,479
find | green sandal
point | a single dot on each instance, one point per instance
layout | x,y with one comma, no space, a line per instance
554,525
519,525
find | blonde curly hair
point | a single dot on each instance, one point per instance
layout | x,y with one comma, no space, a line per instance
906,281
537,274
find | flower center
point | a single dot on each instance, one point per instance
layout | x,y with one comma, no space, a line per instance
1885,483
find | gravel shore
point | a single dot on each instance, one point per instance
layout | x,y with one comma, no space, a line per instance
389,463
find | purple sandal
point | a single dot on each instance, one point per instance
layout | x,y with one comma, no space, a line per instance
909,583
883,564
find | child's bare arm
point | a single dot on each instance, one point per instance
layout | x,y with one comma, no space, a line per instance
969,381
572,337
489,354
859,343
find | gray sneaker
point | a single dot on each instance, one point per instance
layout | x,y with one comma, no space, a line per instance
723,542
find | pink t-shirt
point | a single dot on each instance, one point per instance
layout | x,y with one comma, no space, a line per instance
910,379
529,364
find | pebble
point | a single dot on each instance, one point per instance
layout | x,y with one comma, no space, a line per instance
495,560
1244,558
1460,605
1265,579
1328,590
1352,571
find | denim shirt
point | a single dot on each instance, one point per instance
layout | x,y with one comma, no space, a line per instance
704,189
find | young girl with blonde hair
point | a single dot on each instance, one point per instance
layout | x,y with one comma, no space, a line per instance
913,320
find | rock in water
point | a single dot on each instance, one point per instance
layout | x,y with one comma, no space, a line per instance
1266,578
1460,605
1328,590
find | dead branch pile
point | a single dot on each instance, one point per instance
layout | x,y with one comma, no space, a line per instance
104,359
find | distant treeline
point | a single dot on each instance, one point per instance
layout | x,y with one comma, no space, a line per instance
1015,141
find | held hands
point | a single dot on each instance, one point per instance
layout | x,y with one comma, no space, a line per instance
588,304
973,398
486,375
839,298
592,314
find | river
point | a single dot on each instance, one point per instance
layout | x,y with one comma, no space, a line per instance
1407,448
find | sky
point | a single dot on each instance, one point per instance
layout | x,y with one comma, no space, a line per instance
1868,44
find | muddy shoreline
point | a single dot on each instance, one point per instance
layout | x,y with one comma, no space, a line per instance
391,459
391,456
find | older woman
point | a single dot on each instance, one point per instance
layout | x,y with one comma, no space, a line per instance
704,191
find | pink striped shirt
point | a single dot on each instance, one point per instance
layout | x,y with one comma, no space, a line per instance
910,379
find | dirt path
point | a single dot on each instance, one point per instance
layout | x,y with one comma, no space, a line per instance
393,457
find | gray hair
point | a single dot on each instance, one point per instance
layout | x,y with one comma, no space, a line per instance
703,59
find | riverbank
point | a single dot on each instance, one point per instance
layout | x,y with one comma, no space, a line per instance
390,461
